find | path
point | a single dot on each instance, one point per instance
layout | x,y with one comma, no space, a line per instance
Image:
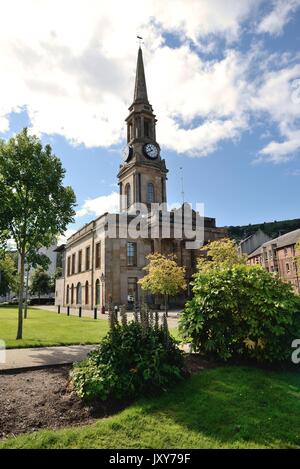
26,358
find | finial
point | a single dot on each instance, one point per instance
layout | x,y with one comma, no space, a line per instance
140,39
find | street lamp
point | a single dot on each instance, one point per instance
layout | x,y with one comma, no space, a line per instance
102,280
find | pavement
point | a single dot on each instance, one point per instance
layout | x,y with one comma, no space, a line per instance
35,357
87,313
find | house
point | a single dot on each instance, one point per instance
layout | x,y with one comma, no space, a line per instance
279,255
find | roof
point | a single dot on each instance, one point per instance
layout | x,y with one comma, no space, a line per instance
289,238
284,240
140,88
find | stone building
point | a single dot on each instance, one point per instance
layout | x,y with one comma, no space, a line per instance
279,256
252,242
103,265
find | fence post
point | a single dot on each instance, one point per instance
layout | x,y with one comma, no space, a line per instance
79,312
95,313
58,309
68,311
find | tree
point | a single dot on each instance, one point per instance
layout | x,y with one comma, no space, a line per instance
222,253
8,273
164,276
41,282
35,207
242,312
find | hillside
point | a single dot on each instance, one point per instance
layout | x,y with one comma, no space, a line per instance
273,229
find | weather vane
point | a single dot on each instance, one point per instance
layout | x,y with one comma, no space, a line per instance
140,39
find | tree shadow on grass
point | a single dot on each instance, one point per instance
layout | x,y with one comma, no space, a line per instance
236,406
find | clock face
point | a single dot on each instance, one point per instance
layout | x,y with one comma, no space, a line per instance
151,150
126,153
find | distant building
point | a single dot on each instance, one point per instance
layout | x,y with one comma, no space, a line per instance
279,255
252,242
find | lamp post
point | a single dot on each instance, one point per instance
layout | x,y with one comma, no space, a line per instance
102,279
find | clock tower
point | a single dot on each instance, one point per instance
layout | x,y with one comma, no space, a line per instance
142,174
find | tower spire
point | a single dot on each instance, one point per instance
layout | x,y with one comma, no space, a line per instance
140,88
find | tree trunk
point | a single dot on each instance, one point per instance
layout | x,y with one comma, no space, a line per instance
21,292
26,292
166,305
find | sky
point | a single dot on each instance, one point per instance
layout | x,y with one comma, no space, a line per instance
223,77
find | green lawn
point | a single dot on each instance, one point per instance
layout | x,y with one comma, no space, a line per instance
230,407
46,328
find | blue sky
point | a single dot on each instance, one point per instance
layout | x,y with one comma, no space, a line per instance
224,82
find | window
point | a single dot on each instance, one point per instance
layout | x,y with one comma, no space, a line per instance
97,291
128,195
98,256
87,258
152,246
131,253
78,294
147,126
130,134
73,263
285,251
79,261
150,193
137,127
72,294
69,266
287,267
270,255
132,290
86,299
68,294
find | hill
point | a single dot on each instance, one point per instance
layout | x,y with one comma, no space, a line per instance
273,228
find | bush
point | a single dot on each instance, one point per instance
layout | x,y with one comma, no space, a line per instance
242,311
130,361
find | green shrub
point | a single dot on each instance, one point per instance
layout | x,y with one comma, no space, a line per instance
242,311
130,361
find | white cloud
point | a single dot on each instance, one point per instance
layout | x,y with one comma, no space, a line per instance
274,22
99,205
74,71
278,152
67,234
276,96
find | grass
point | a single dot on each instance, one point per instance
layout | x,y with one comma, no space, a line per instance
229,407
47,328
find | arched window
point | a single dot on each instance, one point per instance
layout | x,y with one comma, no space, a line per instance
68,294
128,195
78,294
150,193
97,291
86,292
72,294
